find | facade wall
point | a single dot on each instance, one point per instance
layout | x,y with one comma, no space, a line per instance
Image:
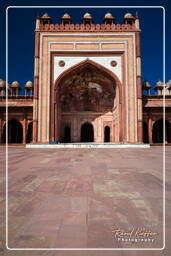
101,48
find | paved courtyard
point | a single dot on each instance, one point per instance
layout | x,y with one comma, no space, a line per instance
77,198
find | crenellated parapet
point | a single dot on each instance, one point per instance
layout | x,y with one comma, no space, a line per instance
130,23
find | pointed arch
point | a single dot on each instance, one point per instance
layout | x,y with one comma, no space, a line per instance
87,132
107,133
15,131
54,129
89,63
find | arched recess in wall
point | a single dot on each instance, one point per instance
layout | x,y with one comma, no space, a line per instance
145,133
87,132
66,76
157,133
67,134
29,136
107,134
15,132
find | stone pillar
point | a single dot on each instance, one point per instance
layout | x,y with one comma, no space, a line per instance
139,90
150,128
36,88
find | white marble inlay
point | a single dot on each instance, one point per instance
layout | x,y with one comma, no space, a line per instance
102,60
88,145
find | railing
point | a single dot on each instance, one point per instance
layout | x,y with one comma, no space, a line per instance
17,97
157,92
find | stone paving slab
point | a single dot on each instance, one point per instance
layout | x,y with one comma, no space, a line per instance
76,198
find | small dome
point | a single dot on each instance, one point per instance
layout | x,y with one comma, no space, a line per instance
159,84
146,85
108,15
66,16
29,84
128,15
87,16
45,15
2,83
15,84
168,84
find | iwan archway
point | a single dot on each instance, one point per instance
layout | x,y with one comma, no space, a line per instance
87,93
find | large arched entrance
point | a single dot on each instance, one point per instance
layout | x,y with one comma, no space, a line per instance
87,132
89,92
157,132
15,132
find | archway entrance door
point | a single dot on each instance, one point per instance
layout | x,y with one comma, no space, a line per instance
107,134
87,93
67,134
158,131
87,132
15,132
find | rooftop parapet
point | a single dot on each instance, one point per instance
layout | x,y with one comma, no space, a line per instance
130,23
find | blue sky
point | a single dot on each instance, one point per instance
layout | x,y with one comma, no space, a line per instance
22,25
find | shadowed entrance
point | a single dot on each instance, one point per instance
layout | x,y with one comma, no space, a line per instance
15,132
87,132
67,134
158,131
107,134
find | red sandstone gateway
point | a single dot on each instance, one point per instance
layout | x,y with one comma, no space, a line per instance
87,87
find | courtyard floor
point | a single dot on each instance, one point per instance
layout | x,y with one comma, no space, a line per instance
77,198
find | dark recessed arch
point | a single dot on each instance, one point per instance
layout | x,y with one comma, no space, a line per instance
67,134
157,132
15,132
87,132
107,133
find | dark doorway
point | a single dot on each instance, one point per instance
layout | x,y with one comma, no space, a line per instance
157,133
145,133
15,132
107,134
67,134
29,133
87,132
